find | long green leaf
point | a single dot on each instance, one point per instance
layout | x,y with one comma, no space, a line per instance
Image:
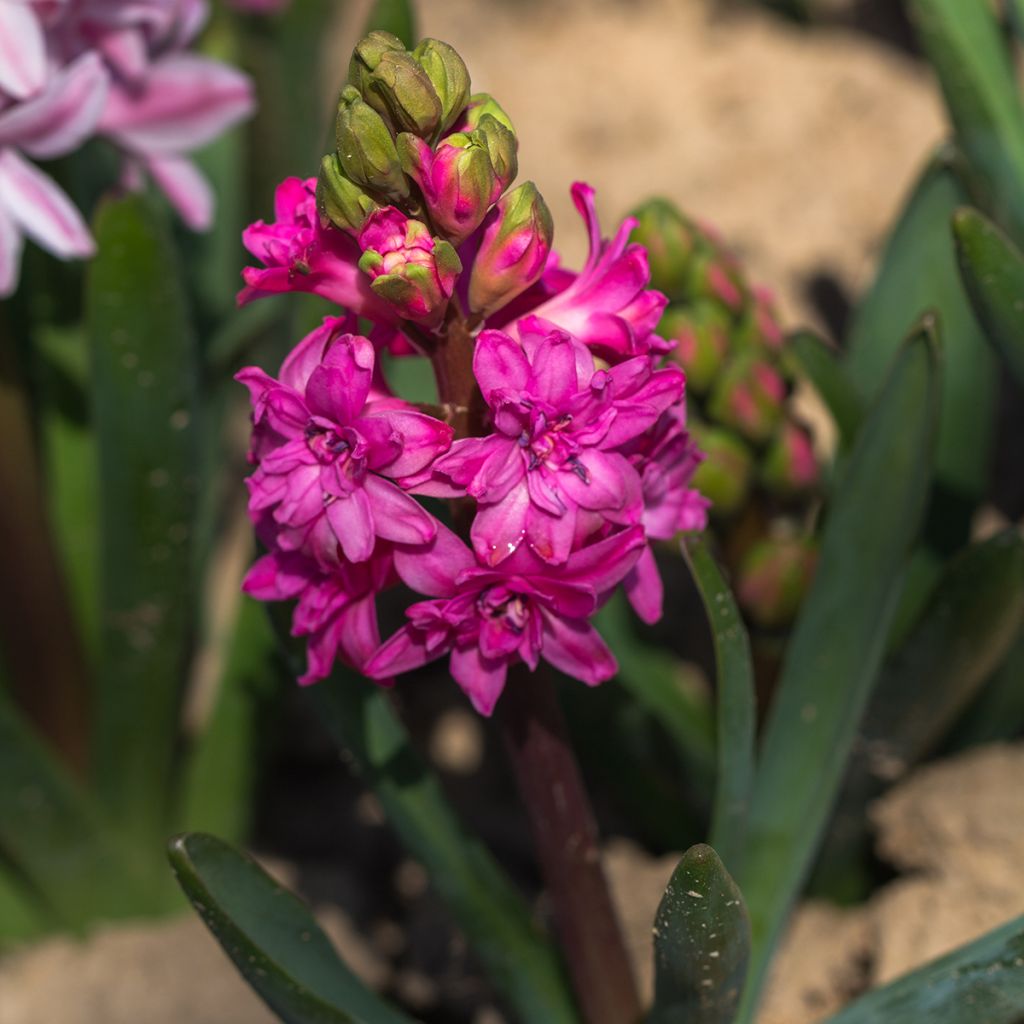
519,958
145,376
23,916
967,50
993,271
394,16
918,273
980,983
736,705
823,368
998,713
701,944
272,937
839,640
56,840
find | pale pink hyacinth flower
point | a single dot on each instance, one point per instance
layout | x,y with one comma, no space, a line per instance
489,619
111,68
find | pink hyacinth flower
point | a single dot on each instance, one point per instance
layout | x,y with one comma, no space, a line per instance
336,610
490,619
666,458
300,255
51,123
327,459
549,473
608,305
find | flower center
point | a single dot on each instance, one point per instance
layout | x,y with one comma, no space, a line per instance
506,606
549,442
343,448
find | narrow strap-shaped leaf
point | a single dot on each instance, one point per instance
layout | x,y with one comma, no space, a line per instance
736,704
918,273
519,958
998,713
145,379
966,48
820,363
22,914
993,271
980,983
839,640
394,16
701,943
54,839
272,937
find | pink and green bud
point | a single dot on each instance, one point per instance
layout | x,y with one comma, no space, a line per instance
408,268
790,467
773,579
340,201
457,181
366,151
714,275
502,148
401,91
726,474
749,397
447,72
513,251
669,239
480,105
701,334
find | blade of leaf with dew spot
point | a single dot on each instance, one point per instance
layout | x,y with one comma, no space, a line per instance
820,363
993,271
980,982
394,16
838,643
54,837
968,52
653,678
144,396
519,958
272,937
701,943
736,704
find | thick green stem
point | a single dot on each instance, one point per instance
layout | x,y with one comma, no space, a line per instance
42,651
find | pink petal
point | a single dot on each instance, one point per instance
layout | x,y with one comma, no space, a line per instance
126,50
351,520
551,536
554,370
186,187
358,634
396,516
188,101
644,588
36,203
338,387
404,651
602,565
308,354
481,679
577,649
423,438
59,119
10,254
500,528
499,362
433,569
22,50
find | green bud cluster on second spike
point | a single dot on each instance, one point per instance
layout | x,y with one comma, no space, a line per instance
760,469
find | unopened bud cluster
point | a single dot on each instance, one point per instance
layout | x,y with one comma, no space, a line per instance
739,385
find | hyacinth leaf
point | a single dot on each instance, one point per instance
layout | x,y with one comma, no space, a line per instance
838,643
918,273
993,271
272,937
54,839
982,981
998,713
144,391
965,46
819,363
736,710
22,917
394,16
701,943
653,678
221,769
520,960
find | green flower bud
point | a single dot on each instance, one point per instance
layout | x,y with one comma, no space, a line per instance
502,146
790,467
726,473
670,240
339,200
773,579
366,150
481,104
749,397
701,334
449,76
402,88
367,54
